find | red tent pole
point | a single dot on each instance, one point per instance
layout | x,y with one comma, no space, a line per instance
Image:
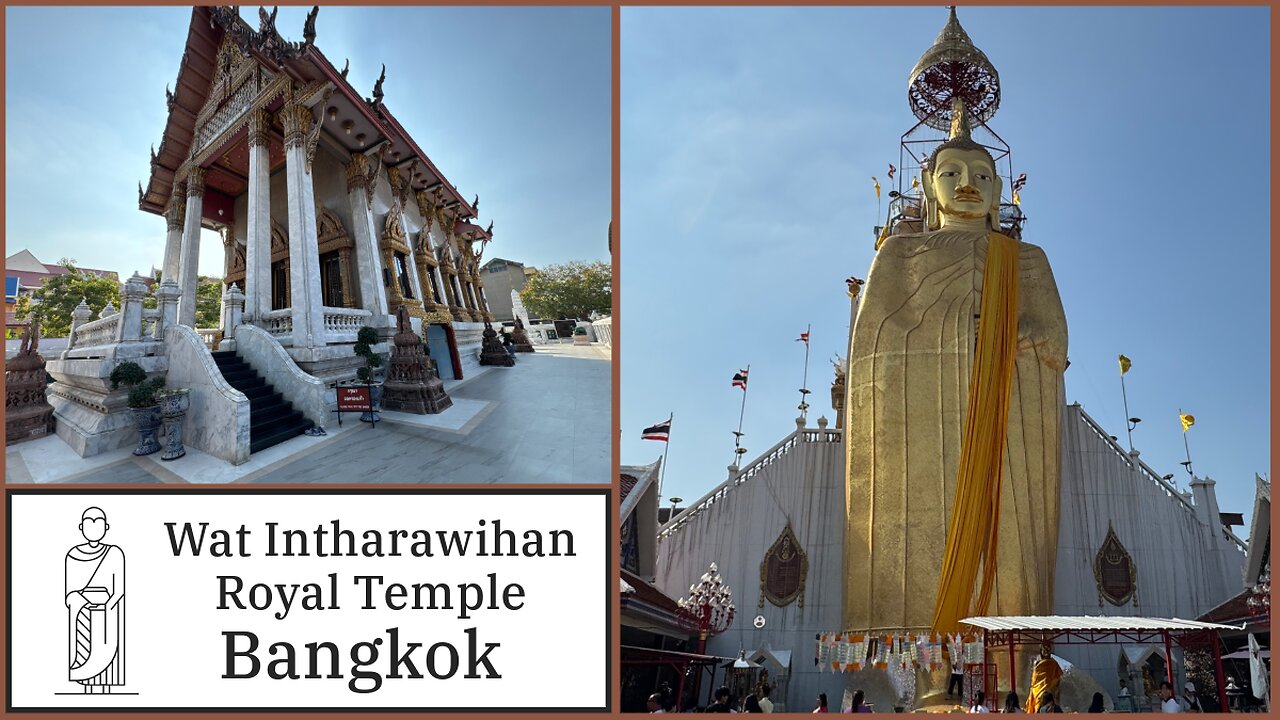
680,691
1218,675
1168,661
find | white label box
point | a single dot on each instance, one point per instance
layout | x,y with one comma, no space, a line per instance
314,598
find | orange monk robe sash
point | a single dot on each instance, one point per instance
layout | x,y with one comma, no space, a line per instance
975,511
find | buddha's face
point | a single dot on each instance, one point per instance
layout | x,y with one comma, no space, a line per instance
963,184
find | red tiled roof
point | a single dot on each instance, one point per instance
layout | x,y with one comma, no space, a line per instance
647,593
626,483
1229,612
35,279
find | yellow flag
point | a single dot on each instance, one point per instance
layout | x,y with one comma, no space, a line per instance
915,182
877,182
1125,364
1187,421
1017,199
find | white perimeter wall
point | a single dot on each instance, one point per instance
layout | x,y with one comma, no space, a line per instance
1186,565
802,481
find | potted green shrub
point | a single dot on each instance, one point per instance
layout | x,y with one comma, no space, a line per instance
142,401
580,336
366,338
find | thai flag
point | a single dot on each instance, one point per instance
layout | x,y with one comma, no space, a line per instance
804,338
661,431
892,170
1020,183
740,380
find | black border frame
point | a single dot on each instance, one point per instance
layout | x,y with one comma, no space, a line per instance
609,574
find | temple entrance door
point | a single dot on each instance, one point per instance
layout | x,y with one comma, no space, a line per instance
331,279
438,345
280,284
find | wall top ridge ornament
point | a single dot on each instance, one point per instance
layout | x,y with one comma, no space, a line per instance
266,40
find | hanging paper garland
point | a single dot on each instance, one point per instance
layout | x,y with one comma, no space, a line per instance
823,652
882,653
860,651
973,651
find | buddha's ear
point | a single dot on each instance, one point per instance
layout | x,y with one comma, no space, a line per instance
931,219
997,186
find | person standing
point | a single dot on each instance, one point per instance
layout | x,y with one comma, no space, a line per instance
721,705
1168,703
1190,699
95,607
957,677
765,703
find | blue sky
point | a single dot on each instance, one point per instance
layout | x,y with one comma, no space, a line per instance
749,138
510,103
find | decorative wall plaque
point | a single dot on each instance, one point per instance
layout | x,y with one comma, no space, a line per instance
1114,571
783,570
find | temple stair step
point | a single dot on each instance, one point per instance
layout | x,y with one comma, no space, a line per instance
276,433
272,419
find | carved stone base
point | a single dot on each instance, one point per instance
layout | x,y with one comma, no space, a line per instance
491,350
28,423
426,398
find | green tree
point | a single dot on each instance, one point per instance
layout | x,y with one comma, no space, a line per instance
571,290
53,302
209,302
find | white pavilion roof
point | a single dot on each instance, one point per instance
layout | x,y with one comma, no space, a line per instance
1089,622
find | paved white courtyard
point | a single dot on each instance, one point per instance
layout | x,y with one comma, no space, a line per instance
546,420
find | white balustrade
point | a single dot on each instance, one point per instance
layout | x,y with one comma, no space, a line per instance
342,324
278,322
98,332
209,336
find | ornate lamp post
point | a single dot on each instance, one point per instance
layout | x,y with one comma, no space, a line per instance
709,608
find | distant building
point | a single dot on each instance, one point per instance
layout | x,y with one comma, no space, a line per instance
23,274
501,276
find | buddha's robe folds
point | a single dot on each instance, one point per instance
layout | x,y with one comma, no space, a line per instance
910,358
95,614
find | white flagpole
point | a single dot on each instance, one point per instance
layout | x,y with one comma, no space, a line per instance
804,384
737,437
663,474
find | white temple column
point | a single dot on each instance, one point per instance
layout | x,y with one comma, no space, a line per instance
189,262
373,295
174,215
257,256
304,253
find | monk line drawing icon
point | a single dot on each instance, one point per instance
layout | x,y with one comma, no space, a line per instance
95,608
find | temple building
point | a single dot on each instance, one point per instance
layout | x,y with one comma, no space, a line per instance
827,532
331,218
